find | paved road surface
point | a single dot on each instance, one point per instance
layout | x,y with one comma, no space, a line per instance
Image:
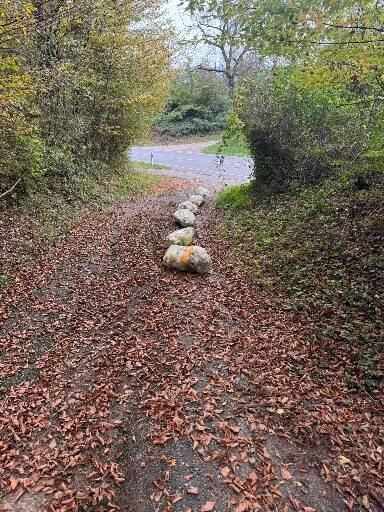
191,162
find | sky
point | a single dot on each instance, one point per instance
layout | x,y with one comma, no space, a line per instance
178,14
183,21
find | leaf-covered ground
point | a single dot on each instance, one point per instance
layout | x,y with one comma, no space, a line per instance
128,387
319,252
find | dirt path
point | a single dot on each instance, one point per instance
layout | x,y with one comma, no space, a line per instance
129,387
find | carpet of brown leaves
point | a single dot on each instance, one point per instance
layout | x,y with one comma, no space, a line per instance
129,387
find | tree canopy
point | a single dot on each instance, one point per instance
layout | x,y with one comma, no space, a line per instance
347,32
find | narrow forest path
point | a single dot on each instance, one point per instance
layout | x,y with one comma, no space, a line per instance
129,387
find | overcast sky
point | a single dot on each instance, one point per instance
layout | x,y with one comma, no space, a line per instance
183,22
178,14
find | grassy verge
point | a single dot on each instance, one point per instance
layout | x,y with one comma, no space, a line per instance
145,165
318,253
30,225
229,148
56,213
163,139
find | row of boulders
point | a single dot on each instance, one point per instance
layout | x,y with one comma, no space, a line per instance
181,254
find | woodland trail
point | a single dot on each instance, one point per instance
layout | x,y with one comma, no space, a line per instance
128,387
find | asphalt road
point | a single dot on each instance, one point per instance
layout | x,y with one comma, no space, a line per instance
189,160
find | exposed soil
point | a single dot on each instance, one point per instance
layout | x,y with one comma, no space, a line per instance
129,387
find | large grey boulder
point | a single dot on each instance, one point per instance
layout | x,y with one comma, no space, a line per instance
188,259
187,205
197,200
185,218
181,237
201,191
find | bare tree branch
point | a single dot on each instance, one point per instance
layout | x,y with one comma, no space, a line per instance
355,27
361,41
211,70
10,190
223,32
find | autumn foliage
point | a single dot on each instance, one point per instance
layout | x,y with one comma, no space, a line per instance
79,82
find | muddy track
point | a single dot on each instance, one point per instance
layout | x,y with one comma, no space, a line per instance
129,387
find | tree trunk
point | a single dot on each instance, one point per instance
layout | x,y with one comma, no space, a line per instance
231,85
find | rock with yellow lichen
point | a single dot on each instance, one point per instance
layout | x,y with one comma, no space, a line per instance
188,259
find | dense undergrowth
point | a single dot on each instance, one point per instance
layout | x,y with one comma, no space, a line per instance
197,106
319,252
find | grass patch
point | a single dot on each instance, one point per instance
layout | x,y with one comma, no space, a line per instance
165,139
56,213
4,279
228,148
145,165
133,183
235,198
318,252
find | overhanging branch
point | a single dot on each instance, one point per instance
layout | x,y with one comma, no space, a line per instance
355,27
341,43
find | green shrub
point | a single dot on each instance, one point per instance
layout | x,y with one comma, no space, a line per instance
21,156
235,198
77,89
198,105
295,130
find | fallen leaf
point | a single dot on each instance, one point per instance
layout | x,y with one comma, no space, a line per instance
295,503
350,503
193,490
366,503
176,498
157,497
243,507
225,471
285,473
14,483
210,505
